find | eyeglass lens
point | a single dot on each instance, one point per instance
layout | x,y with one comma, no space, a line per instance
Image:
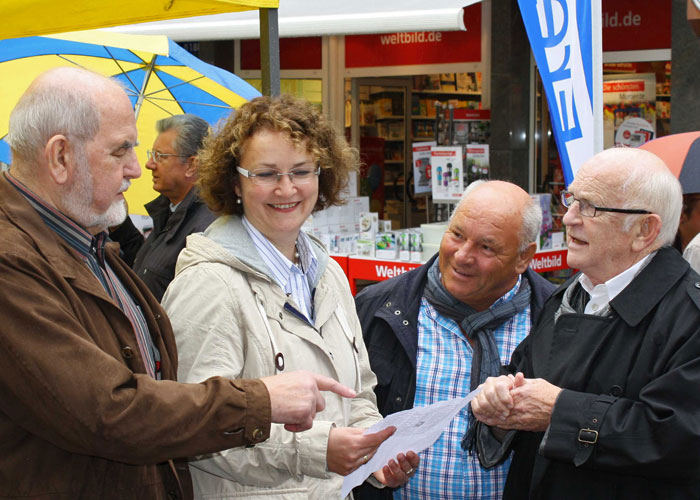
270,176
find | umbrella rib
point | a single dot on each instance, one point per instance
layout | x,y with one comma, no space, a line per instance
142,93
168,87
125,73
161,107
153,99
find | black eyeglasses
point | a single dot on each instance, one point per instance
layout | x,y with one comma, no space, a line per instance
588,209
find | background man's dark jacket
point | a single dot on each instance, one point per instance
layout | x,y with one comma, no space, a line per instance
154,258
388,313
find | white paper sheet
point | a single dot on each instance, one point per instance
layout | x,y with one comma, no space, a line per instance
416,429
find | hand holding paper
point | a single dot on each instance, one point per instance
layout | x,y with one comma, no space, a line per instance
416,429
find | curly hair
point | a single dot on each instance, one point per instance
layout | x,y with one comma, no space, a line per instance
298,118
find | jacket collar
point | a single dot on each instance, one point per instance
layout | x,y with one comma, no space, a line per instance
159,210
647,289
650,286
406,295
55,250
228,232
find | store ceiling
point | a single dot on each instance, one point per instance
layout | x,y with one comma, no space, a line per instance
316,18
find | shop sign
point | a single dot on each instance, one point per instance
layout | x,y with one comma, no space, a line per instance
635,25
295,53
549,261
417,48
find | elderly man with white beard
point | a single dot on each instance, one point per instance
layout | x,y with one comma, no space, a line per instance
88,403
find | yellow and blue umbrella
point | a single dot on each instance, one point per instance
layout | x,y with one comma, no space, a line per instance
161,78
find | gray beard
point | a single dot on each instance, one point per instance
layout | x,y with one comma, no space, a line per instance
77,201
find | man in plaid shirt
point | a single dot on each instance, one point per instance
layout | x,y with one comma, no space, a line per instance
438,331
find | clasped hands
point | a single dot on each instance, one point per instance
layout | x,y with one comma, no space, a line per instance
514,402
349,448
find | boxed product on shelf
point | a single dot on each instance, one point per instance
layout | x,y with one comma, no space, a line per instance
384,225
415,245
403,242
369,222
365,248
385,246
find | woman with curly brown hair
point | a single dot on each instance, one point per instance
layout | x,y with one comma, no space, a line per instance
254,296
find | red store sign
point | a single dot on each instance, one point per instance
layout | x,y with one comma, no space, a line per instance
422,47
635,25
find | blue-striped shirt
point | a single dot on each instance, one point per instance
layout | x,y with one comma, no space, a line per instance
91,249
294,280
443,372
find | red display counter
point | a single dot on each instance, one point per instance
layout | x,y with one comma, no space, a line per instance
364,268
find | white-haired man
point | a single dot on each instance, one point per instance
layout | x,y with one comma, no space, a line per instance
86,407
604,389
438,331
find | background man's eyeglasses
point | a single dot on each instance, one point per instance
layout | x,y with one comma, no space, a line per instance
588,209
268,176
157,156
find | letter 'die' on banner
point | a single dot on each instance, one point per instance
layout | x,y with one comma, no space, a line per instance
566,41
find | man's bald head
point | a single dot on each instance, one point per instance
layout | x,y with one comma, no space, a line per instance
511,198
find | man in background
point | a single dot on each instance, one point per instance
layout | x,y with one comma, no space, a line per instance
438,331
688,237
177,212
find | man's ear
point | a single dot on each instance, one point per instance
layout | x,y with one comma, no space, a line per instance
60,159
191,167
645,232
525,257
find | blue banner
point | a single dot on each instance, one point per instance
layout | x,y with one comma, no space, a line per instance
561,38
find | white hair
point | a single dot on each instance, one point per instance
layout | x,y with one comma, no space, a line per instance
659,192
53,106
532,216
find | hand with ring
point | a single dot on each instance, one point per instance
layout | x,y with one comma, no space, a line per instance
398,472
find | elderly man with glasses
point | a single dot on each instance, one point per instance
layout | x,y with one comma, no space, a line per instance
177,212
602,398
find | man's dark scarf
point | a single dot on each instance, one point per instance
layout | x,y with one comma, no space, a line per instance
478,327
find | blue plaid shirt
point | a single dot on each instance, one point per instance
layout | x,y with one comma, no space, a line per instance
443,371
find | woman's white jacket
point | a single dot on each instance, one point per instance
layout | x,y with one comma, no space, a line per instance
216,303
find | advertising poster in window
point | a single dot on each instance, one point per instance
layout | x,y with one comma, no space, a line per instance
447,173
477,162
630,109
421,166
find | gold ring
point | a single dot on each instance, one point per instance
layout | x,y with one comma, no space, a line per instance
365,459
409,471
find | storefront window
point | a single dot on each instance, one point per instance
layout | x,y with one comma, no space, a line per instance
309,89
